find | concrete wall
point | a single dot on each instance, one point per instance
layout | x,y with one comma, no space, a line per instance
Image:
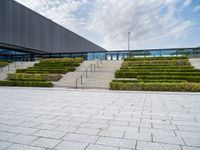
22,27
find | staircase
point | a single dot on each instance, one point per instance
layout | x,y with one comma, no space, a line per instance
12,67
98,79
195,62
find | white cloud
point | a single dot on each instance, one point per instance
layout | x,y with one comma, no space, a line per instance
196,8
149,21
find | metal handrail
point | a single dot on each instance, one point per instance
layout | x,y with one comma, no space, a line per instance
91,66
8,66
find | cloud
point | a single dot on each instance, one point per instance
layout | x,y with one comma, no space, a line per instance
150,21
196,8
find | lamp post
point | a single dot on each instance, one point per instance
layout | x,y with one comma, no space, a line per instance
129,35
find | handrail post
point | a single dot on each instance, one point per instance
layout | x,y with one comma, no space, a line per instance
76,83
86,73
91,67
81,79
94,67
97,64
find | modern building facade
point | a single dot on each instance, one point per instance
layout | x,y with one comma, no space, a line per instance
23,31
25,34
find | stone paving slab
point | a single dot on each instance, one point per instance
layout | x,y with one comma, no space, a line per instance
58,118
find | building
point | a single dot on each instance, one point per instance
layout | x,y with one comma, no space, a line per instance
25,33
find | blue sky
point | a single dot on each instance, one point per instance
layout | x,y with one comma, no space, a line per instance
152,23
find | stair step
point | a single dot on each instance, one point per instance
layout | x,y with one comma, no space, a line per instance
98,79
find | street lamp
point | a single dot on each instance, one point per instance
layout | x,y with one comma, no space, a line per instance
129,35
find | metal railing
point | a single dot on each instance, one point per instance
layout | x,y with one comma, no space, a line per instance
91,68
21,61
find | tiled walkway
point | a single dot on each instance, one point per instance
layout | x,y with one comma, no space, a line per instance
60,119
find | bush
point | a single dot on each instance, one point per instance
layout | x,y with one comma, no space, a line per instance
183,87
26,83
44,71
137,81
34,77
154,58
158,67
3,64
179,62
187,78
120,74
63,61
158,70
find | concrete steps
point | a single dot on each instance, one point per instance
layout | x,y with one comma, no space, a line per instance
11,68
99,79
195,62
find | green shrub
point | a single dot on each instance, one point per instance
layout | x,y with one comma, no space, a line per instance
26,83
159,70
154,58
120,74
62,60
136,81
182,87
34,77
179,62
3,64
187,78
44,71
158,67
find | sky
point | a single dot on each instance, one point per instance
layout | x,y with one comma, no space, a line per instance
151,23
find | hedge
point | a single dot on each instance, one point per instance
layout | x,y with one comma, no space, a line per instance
187,78
180,62
44,71
55,65
34,77
62,60
159,70
159,67
183,87
120,74
26,83
3,64
154,58
136,81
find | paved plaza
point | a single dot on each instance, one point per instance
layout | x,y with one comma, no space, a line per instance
64,119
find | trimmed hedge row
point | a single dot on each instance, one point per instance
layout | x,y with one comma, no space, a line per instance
158,67
181,87
154,58
60,60
187,78
180,62
158,70
3,63
26,83
34,77
120,74
44,71
137,81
